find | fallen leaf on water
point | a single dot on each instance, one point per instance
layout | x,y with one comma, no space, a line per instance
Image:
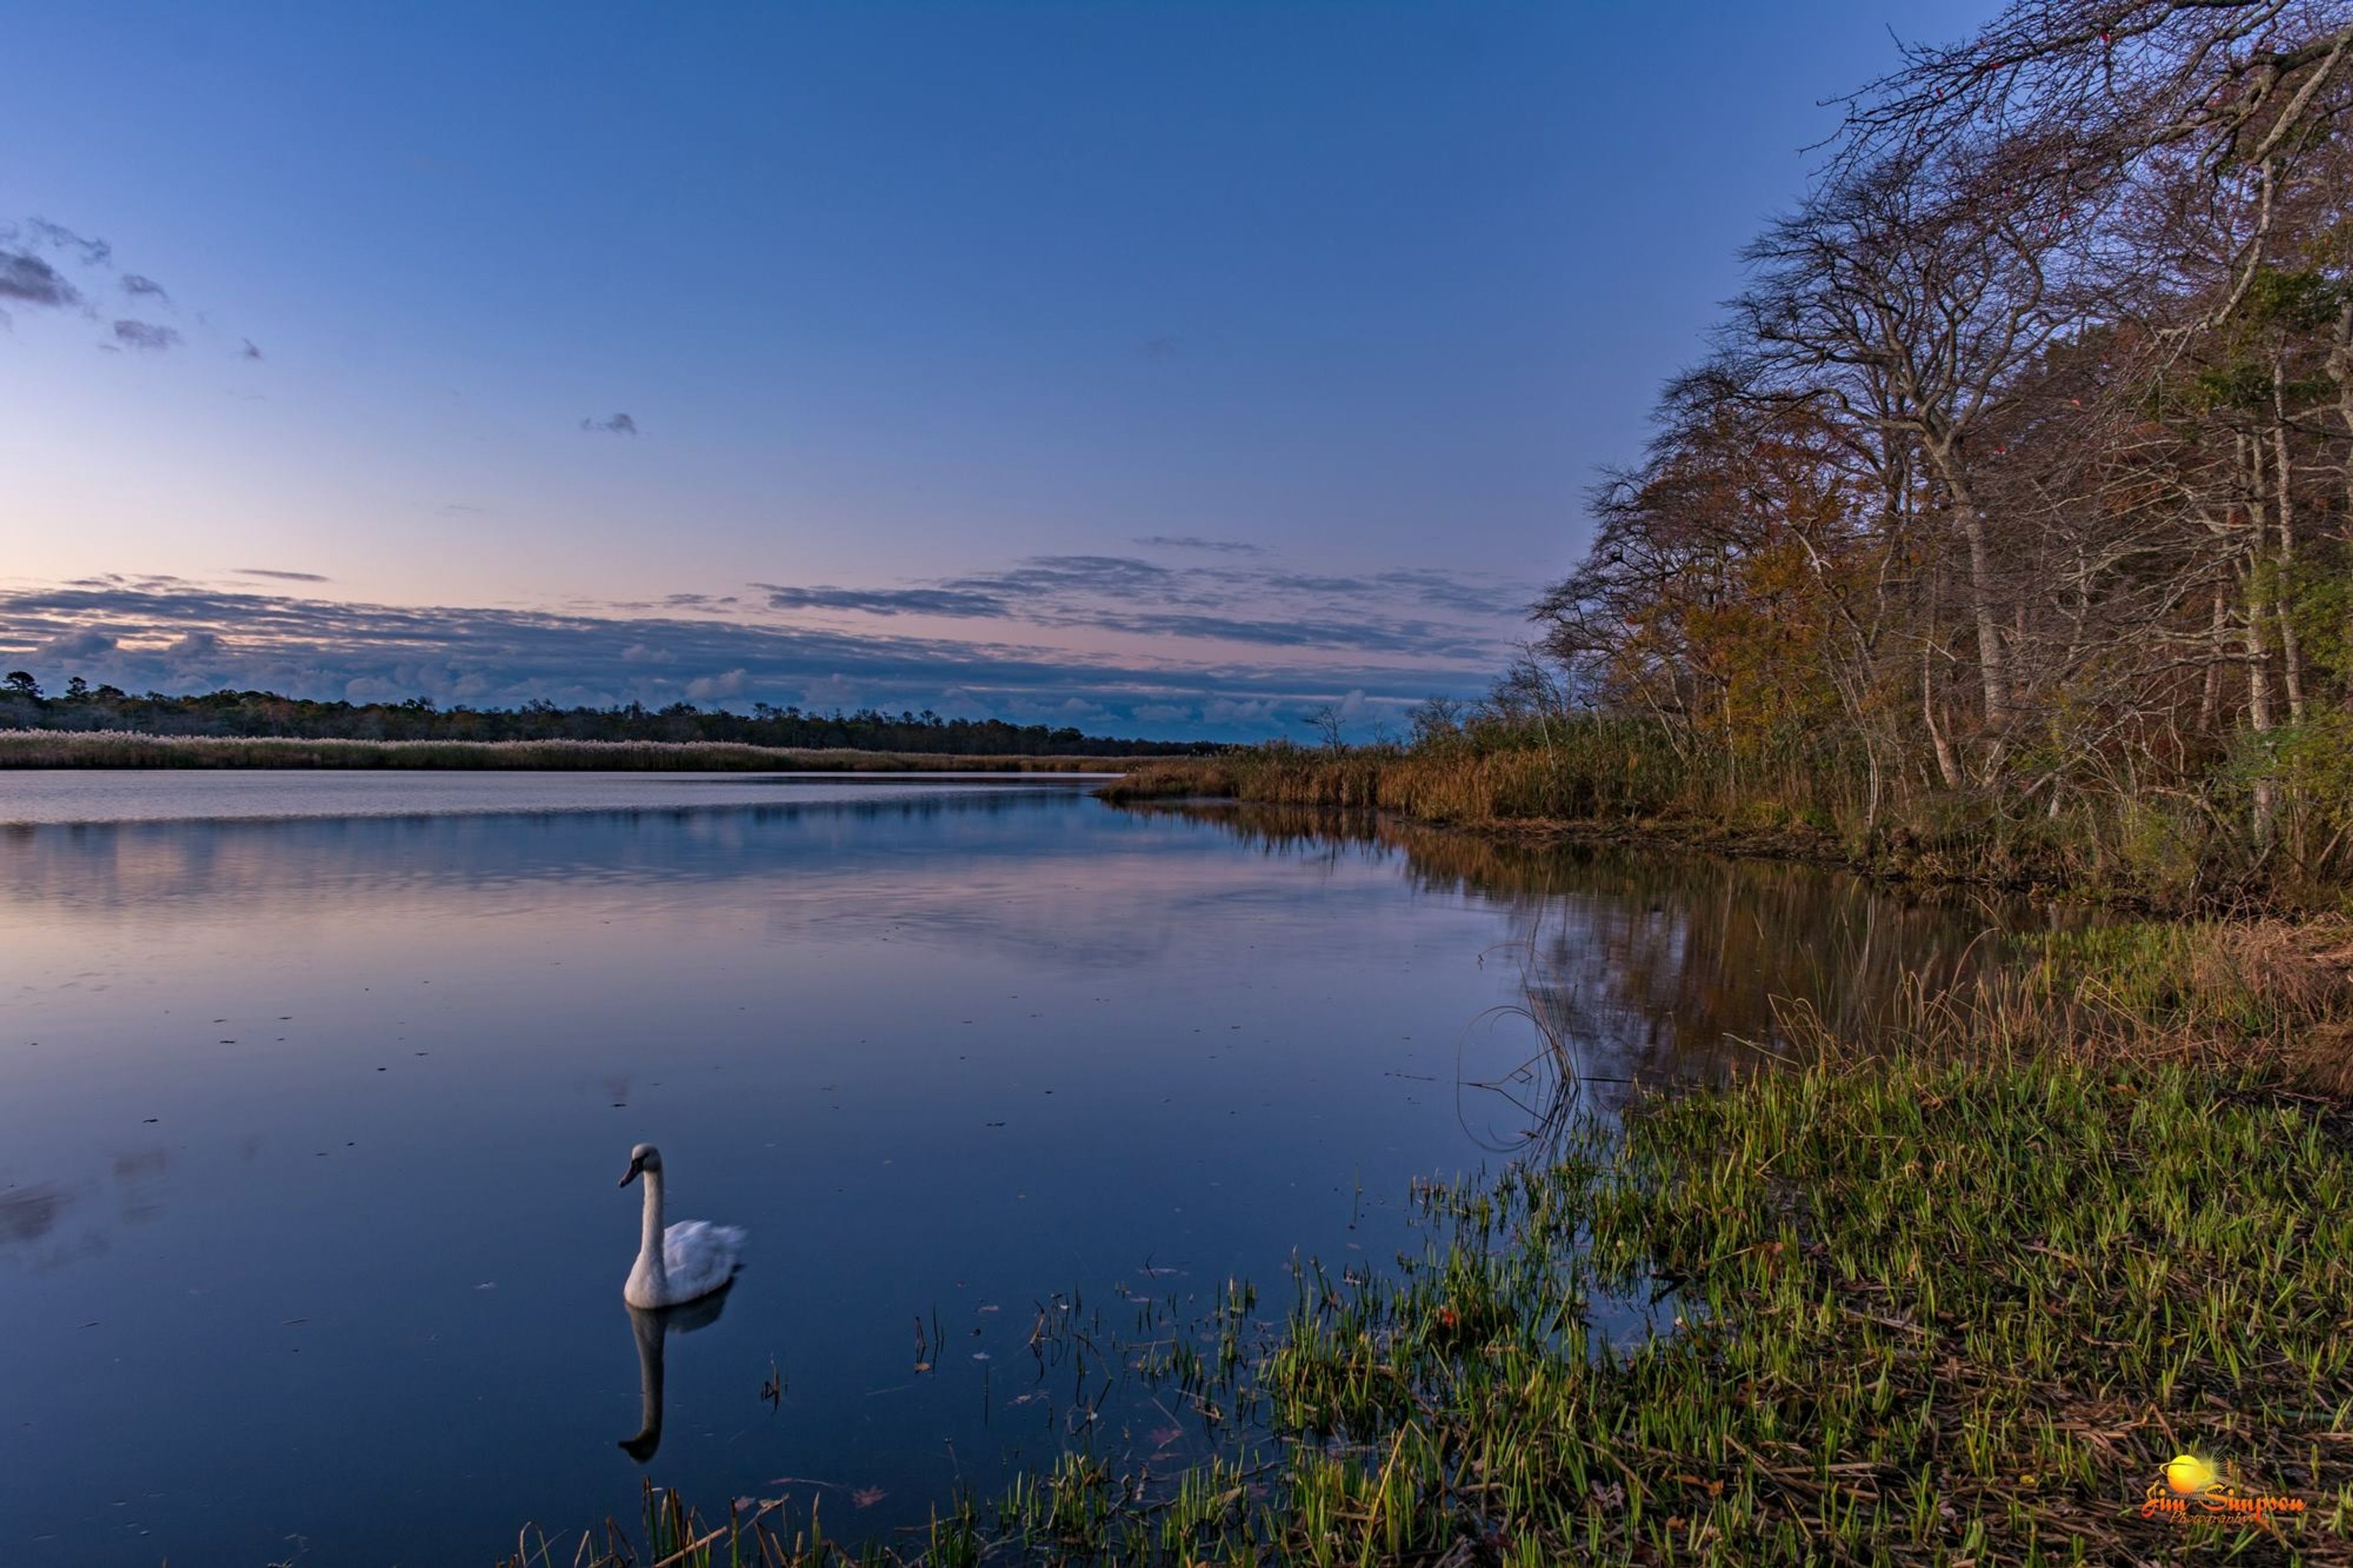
867,1497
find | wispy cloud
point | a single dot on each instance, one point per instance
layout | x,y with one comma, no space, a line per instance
1113,576
145,335
887,601
83,643
163,633
90,252
1425,586
1191,542
30,280
51,266
1237,646
618,424
1420,613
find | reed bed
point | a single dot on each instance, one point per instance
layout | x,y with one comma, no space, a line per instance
1954,1295
1454,786
131,749
1601,776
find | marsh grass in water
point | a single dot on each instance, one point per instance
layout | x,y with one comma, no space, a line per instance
1956,1301
1931,1312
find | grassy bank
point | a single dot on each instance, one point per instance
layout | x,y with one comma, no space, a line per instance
125,748
1602,777
1956,1300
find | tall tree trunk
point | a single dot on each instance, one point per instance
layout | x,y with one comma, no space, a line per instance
2212,700
2259,676
2259,710
2284,513
1948,766
1992,670
1991,667
2340,367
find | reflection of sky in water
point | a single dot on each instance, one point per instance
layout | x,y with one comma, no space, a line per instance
307,1215
64,795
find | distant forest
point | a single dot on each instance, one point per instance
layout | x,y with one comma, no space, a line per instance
23,705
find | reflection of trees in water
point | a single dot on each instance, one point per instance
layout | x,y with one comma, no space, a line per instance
49,1224
1644,965
28,1213
126,864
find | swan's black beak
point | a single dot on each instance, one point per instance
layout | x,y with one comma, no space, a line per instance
635,1167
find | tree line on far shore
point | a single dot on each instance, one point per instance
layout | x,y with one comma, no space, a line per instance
23,705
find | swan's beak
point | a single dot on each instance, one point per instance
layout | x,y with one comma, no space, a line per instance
635,1167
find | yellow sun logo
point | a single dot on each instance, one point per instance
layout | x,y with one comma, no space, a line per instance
2189,1475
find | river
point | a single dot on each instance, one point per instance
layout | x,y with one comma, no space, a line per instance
317,1089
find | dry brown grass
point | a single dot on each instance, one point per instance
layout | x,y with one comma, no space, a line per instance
2269,1000
1463,788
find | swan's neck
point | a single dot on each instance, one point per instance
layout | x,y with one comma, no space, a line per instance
650,1240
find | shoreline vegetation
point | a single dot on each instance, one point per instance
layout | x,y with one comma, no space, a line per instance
1956,1294
1588,776
127,748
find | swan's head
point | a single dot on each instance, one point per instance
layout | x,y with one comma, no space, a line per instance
644,1157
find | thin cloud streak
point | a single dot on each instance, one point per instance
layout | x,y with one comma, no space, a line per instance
93,252
1191,542
887,601
1408,614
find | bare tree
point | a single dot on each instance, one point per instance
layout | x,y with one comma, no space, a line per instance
2022,469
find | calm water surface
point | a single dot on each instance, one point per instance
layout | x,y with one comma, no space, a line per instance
317,1088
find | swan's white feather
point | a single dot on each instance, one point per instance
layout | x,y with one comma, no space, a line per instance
697,1257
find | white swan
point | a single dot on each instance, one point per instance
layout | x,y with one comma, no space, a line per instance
692,1259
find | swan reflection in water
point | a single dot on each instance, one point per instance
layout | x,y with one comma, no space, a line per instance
651,1326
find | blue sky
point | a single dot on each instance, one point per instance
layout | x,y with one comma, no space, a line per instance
1159,368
